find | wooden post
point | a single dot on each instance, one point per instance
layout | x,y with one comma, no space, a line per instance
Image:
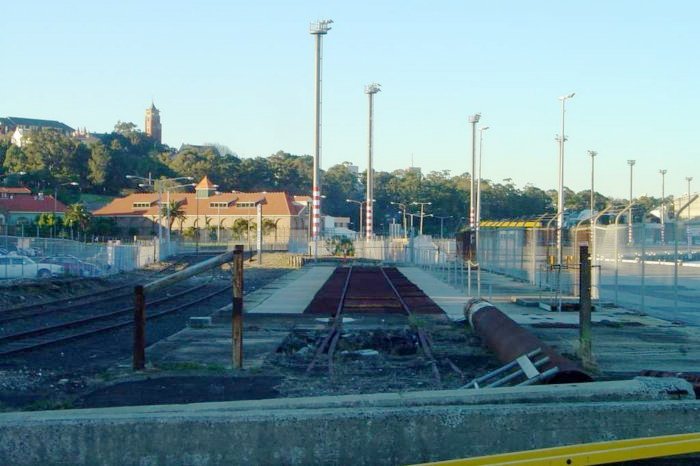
237,307
139,356
585,307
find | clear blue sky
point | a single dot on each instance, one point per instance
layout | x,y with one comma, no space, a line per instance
241,74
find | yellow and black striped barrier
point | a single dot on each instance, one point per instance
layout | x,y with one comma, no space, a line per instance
590,453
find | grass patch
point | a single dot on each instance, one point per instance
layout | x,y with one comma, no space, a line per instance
48,405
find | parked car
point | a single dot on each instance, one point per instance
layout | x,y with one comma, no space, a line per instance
4,252
74,266
14,266
29,252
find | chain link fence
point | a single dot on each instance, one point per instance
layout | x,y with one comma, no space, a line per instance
30,257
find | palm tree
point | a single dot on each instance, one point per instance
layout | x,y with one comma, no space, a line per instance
240,226
176,212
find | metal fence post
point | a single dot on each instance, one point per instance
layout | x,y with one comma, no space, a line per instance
237,307
585,306
139,351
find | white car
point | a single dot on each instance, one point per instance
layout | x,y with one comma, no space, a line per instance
13,266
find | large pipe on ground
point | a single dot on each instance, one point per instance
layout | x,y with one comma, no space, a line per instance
509,341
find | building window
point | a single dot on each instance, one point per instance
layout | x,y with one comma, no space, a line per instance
141,205
245,204
218,204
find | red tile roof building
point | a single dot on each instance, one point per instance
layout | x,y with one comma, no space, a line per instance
23,208
206,208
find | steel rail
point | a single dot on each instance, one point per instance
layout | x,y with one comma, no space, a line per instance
422,337
69,299
337,320
119,325
79,322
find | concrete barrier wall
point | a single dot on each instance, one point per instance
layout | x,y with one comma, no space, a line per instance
354,430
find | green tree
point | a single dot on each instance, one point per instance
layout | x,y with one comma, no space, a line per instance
175,210
98,164
77,215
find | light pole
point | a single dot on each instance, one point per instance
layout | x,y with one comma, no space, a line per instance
421,204
370,90
593,154
478,192
359,203
318,29
441,223
629,215
55,197
662,209
158,187
473,119
560,199
688,179
403,210
167,203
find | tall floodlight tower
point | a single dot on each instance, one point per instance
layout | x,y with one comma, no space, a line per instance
370,90
473,119
319,29
560,198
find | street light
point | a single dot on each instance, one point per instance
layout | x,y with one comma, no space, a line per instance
403,209
55,196
629,215
593,154
688,179
560,198
478,192
157,186
319,29
167,204
473,119
421,204
662,209
360,204
370,90
441,223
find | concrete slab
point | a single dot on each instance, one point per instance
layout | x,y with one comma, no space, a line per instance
291,297
450,299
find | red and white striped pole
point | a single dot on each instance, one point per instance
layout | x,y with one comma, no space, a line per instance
370,90
319,29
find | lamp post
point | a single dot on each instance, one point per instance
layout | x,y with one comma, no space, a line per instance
473,119
441,223
422,205
55,196
560,198
370,90
157,186
593,154
403,210
318,29
359,203
662,209
629,215
167,203
688,179
478,192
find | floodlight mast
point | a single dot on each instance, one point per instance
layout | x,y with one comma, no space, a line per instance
370,90
319,29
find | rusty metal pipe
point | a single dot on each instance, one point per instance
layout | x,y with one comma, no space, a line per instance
508,341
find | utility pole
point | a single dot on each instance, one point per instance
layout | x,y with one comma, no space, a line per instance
422,204
688,179
629,215
319,29
662,209
560,199
370,90
473,119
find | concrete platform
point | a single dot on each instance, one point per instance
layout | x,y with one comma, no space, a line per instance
381,429
290,295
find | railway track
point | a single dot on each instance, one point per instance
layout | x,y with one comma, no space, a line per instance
87,326
87,299
370,290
